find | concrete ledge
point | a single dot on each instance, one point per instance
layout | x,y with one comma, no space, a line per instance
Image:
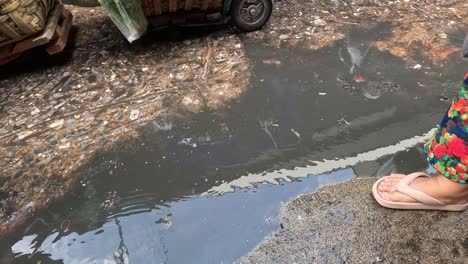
343,224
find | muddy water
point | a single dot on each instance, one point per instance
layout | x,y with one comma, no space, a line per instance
207,188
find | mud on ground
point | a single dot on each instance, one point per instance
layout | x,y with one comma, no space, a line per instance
58,111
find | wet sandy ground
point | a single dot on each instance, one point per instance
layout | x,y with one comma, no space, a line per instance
203,110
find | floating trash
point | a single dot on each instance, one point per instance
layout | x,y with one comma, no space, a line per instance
65,224
444,98
165,220
359,79
374,90
296,133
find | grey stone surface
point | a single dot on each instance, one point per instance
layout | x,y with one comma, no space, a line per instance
343,224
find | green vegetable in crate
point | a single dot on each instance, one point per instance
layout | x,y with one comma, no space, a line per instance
128,16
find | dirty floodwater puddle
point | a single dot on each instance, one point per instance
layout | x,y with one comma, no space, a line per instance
297,117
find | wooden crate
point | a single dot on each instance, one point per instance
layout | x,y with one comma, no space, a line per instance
159,7
20,19
54,36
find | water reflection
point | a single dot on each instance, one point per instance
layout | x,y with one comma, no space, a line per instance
201,230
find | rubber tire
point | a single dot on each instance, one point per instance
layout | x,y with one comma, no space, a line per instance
241,25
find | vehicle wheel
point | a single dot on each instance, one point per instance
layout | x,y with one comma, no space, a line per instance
250,15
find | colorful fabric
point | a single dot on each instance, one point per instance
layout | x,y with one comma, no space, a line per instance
447,151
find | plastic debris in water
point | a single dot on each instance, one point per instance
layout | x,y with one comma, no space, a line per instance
265,124
65,224
343,121
322,93
163,125
359,79
356,57
165,220
188,142
296,133
444,98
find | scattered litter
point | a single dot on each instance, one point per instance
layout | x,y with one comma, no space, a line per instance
134,114
35,111
111,199
65,224
180,76
265,124
359,79
343,121
372,96
272,61
165,220
187,101
147,91
322,93
188,142
23,134
444,98
296,133
417,66
319,22
57,124
356,57
374,90
163,125
64,145
206,138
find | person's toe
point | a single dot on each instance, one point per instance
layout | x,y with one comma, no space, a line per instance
390,183
397,197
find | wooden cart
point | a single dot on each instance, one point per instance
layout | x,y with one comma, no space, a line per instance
245,15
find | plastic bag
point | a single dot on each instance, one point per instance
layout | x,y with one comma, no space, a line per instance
128,16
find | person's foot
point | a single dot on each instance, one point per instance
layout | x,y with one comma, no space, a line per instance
438,187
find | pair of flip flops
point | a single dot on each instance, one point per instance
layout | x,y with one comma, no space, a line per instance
424,201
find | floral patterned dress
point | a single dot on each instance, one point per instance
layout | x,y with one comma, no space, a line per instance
447,151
